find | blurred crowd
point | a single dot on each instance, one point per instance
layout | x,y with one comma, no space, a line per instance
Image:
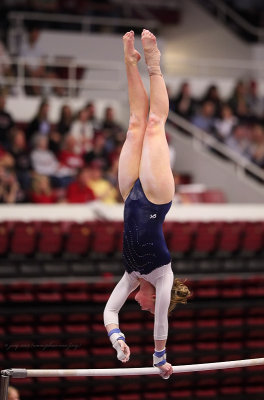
74,160
237,122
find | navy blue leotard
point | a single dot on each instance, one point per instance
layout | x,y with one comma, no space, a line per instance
144,246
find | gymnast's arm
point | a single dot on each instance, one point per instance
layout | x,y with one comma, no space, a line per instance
118,297
163,286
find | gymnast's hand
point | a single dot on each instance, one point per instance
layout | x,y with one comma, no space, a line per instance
166,370
125,350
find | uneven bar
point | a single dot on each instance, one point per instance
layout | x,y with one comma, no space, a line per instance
33,373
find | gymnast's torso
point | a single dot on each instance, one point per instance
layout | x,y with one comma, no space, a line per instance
144,246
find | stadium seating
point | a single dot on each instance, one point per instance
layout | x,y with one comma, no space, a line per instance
78,238
50,238
253,237
104,238
4,238
24,238
20,292
181,237
230,237
224,320
101,239
206,237
213,196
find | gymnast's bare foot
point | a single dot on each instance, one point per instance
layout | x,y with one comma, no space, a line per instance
151,51
132,56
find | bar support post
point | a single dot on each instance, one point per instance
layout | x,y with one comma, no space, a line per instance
4,387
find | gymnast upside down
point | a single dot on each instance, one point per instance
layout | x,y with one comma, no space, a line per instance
147,186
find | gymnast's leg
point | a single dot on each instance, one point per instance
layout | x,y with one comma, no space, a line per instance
128,173
130,155
155,171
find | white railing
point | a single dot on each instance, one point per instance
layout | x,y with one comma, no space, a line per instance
216,67
242,165
224,11
17,23
72,85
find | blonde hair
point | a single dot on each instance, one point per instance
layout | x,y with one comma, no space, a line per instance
37,182
180,293
13,393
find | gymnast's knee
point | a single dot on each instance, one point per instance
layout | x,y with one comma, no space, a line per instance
136,124
155,121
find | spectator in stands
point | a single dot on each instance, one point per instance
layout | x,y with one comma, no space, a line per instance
5,69
90,108
55,140
63,127
255,103
68,158
112,176
112,173
256,148
13,393
65,121
98,152
6,123
33,55
238,101
109,123
83,132
42,192
79,191
43,160
183,104
225,124
10,191
40,123
18,149
238,141
102,188
212,95
6,159
204,119
115,153
5,60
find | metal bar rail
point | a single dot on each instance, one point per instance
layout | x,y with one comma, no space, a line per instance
33,373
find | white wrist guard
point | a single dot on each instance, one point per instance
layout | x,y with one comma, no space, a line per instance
114,336
159,358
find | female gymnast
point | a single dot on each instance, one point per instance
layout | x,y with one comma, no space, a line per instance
147,187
